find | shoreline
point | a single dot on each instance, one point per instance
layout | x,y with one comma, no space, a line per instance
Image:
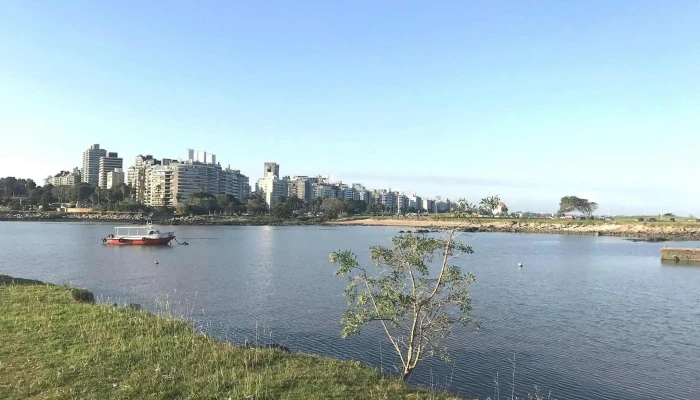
628,230
587,228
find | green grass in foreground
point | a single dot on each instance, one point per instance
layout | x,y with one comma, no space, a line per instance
54,347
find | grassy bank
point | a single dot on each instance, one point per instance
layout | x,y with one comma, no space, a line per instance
54,346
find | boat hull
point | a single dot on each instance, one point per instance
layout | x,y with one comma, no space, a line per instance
139,242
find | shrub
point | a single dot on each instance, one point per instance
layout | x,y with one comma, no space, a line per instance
83,295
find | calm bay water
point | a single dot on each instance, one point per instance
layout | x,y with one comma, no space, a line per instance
586,317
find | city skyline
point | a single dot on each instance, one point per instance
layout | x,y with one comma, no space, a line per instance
203,154
96,157
529,101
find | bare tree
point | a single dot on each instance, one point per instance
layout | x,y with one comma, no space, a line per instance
416,310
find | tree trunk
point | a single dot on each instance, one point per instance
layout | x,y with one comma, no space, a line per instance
406,373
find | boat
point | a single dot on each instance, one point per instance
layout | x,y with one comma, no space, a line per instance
139,235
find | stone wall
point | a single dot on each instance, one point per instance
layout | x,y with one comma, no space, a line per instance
680,253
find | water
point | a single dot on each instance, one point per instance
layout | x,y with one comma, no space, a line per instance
586,317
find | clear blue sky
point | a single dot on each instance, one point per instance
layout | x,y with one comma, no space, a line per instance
531,100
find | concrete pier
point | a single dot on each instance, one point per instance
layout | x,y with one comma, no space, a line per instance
680,254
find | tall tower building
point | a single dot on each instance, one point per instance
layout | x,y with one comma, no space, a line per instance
108,163
272,170
91,164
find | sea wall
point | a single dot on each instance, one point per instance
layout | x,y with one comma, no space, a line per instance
680,253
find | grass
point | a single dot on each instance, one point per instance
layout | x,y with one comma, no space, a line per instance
56,347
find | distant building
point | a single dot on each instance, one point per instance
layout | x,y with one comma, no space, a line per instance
500,209
272,170
299,188
270,186
64,178
415,202
361,193
91,164
138,177
429,206
169,182
115,178
108,163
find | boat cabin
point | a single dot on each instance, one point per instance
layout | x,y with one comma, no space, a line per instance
136,231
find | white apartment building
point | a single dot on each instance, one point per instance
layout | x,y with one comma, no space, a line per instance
362,193
115,178
160,186
137,177
108,163
415,202
64,178
324,190
272,189
169,182
270,186
91,164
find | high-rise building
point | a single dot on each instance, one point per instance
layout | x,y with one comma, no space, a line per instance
270,186
299,188
415,202
429,206
362,193
91,164
137,177
170,182
115,178
271,170
108,163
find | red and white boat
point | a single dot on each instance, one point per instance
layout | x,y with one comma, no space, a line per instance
138,235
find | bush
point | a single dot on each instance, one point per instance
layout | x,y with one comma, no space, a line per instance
83,295
8,280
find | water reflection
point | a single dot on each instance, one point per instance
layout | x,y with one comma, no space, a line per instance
587,317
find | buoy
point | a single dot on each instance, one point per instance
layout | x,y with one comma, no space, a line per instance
156,262
520,265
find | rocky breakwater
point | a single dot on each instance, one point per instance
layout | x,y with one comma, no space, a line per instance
634,231
644,232
57,216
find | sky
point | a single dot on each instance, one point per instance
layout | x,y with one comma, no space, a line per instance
530,100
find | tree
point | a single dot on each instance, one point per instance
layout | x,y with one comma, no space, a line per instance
284,209
489,204
256,204
295,203
316,204
83,192
569,204
416,310
375,208
462,208
64,193
8,185
355,207
333,207
224,203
